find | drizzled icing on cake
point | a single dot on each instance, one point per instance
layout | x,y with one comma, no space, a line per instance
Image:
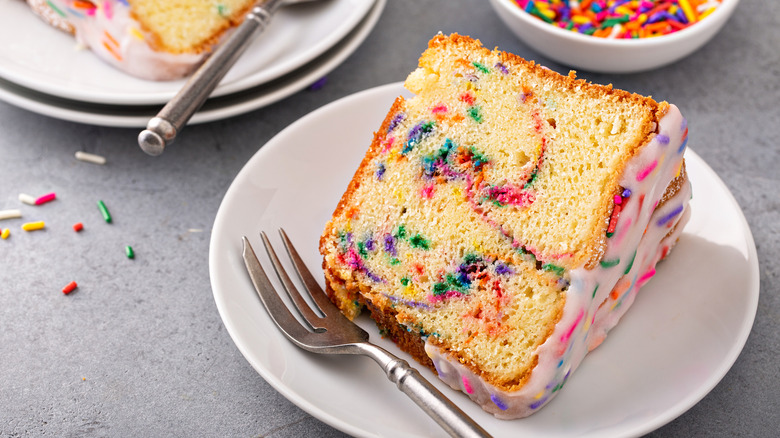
591,310
108,29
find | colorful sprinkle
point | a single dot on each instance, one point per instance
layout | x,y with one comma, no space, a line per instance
27,199
642,174
467,385
663,220
90,158
6,232
70,287
46,198
104,211
78,227
33,226
10,214
129,252
498,402
620,19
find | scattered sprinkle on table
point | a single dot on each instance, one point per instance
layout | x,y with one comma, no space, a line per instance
45,198
6,232
10,214
70,287
78,226
104,211
620,19
129,252
32,226
90,158
27,199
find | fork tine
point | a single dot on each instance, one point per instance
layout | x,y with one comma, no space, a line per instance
276,308
300,304
314,289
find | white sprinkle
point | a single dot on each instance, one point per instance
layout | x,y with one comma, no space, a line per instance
27,199
90,158
10,214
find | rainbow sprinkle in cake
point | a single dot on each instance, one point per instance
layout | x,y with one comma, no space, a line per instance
504,218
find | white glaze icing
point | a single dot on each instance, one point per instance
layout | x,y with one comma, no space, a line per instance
590,312
112,34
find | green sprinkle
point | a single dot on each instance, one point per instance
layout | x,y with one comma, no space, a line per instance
55,8
418,241
558,270
609,263
630,264
400,233
362,250
405,281
394,261
480,67
475,114
222,10
129,252
104,211
594,291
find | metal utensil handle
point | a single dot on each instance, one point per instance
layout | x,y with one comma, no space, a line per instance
441,409
162,129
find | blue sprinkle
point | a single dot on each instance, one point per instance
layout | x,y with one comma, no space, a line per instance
318,84
502,269
626,193
501,405
683,145
670,216
380,171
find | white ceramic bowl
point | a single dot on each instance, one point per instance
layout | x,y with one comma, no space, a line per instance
610,55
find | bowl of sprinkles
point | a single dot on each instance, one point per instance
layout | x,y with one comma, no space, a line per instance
615,36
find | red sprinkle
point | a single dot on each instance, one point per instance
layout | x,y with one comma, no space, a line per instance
46,198
613,220
70,287
78,227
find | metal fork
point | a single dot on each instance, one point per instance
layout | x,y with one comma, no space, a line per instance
333,333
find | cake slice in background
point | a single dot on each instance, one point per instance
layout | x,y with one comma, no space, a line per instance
149,39
504,218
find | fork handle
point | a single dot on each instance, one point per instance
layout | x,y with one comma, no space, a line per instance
450,417
163,128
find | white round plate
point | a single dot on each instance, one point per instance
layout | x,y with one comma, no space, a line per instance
214,109
644,375
40,57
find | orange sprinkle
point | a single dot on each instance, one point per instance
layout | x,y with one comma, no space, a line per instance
111,38
111,51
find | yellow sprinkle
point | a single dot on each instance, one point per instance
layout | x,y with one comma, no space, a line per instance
32,226
622,10
679,169
580,19
137,34
539,395
690,14
6,232
642,18
706,13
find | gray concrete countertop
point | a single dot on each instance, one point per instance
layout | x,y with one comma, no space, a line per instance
140,350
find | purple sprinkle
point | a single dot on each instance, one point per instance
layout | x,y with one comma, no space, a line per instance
396,120
318,84
390,244
502,269
626,193
661,222
410,303
500,403
380,171
370,244
538,403
503,68
662,138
